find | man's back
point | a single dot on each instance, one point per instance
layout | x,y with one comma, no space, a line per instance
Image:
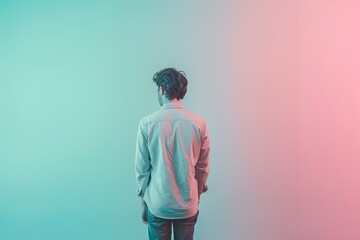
178,148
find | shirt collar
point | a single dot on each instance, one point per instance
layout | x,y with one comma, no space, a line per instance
172,105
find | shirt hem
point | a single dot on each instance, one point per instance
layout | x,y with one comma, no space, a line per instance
159,215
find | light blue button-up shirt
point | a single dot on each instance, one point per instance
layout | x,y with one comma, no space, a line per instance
172,161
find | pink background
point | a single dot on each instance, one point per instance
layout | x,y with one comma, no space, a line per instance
299,111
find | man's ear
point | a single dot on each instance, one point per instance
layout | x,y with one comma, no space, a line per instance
162,91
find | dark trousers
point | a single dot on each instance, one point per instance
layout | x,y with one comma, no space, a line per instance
160,228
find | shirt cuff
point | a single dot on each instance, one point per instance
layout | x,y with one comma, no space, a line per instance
139,193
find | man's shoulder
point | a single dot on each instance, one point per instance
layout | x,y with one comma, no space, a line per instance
178,115
149,118
195,117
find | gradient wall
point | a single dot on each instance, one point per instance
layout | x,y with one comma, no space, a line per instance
277,81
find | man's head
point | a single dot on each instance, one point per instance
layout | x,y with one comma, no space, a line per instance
172,84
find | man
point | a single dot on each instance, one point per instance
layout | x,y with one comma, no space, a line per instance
171,161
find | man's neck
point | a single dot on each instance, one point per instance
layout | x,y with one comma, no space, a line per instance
172,101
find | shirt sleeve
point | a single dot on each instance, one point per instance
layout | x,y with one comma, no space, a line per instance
203,164
142,161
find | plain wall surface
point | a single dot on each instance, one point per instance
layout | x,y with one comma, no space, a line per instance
278,82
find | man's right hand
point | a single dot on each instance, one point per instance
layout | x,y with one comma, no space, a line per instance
143,215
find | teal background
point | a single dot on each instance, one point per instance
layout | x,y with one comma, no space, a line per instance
76,78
